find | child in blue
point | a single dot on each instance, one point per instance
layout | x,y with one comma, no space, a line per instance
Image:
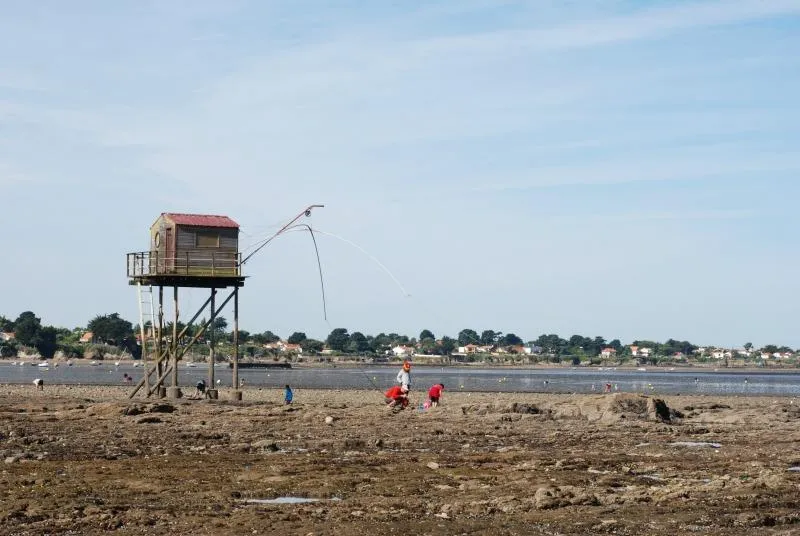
287,395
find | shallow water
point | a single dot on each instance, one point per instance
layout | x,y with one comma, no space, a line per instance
466,379
283,500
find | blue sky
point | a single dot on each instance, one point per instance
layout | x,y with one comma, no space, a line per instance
618,168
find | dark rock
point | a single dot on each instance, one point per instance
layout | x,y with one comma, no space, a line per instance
161,408
133,410
149,420
524,408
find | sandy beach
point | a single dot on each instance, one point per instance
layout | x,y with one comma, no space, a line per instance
86,460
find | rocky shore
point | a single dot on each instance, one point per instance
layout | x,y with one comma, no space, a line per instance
86,460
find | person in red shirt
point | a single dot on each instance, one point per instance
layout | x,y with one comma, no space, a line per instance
397,396
434,393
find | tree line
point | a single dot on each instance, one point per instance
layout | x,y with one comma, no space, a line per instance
113,331
29,332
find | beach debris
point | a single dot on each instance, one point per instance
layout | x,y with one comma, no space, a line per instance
328,420
794,469
378,443
696,444
432,465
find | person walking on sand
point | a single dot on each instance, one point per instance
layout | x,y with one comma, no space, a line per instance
404,376
288,395
435,393
397,397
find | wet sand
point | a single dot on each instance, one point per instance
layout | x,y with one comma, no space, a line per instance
85,460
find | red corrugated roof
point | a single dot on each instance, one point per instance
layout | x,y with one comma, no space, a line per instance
202,220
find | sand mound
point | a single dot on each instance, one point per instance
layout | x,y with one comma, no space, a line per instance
623,406
619,407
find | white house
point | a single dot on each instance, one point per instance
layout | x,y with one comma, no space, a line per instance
721,354
608,352
402,351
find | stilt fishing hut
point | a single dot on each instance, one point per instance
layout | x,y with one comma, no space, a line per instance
190,251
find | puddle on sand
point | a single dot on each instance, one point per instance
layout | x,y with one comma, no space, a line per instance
288,500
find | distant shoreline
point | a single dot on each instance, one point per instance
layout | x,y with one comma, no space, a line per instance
356,365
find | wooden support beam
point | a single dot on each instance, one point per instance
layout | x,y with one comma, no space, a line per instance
166,352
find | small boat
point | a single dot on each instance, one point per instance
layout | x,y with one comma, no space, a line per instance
116,363
69,363
42,365
642,369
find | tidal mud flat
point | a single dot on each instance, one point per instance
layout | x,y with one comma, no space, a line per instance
85,460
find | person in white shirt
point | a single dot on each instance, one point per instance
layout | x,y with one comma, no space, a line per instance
404,376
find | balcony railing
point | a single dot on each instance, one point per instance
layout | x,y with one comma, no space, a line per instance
193,263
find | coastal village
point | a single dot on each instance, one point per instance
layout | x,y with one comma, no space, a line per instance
486,354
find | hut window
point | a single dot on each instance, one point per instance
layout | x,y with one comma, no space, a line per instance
207,239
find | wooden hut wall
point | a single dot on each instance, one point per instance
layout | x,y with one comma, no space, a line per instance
187,238
208,260
229,239
158,227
